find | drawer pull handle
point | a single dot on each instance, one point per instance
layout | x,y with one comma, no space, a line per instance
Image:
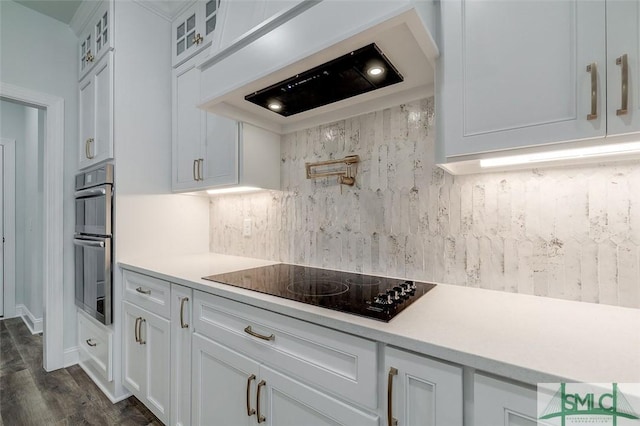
143,291
90,343
624,62
593,70
182,302
259,336
261,418
390,420
250,411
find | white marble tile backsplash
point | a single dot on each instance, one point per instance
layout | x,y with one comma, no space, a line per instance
570,233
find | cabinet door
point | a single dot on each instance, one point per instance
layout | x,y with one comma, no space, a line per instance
498,403
423,391
188,126
134,352
96,114
86,108
181,327
187,35
87,52
287,402
155,336
102,148
223,385
514,73
623,38
221,150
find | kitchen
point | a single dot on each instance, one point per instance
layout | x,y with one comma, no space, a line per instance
568,232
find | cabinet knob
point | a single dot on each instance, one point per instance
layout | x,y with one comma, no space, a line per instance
198,39
89,57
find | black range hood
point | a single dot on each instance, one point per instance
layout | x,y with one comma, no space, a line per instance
353,74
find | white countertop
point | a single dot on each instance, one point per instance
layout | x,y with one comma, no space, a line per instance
527,338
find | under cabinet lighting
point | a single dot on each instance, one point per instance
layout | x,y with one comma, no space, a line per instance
233,190
566,154
375,71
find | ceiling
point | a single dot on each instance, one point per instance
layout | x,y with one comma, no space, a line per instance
62,10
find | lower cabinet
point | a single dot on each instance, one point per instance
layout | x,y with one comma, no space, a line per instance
181,328
248,392
500,403
421,391
146,356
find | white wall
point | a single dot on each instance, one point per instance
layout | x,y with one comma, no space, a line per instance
12,126
150,221
39,53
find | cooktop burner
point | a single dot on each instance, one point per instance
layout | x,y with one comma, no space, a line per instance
369,296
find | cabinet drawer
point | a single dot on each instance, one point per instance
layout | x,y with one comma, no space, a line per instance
501,403
95,344
336,362
147,292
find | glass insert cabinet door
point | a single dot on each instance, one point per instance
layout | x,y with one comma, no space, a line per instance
102,32
194,28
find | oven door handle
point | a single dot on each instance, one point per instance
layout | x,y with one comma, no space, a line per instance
90,192
88,243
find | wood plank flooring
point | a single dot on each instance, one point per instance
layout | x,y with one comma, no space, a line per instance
31,396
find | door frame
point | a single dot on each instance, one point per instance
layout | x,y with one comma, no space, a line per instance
53,243
9,219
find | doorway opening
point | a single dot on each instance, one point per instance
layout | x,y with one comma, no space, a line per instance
51,231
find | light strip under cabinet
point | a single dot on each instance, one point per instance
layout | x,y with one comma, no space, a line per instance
233,190
565,154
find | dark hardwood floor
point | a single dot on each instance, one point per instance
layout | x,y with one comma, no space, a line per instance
31,396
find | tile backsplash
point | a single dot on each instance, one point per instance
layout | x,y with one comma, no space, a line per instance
570,233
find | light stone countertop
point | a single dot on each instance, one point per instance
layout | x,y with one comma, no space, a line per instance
526,338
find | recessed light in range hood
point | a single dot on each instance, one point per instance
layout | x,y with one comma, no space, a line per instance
353,74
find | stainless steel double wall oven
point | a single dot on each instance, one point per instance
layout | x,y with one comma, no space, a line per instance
93,242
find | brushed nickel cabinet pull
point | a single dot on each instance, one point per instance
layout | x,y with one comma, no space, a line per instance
624,104
90,343
142,342
260,417
182,302
87,148
141,290
593,69
258,335
195,164
200,166
390,420
135,330
250,411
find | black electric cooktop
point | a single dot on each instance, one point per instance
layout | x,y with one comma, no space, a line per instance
369,296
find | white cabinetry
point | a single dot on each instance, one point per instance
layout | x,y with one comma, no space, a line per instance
195,29
95,342
146,341
261,364
181,327
213,151
96,114
623,57
422,391
97,37
527,74
499,403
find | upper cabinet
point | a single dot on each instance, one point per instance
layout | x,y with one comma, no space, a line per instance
623,66
195,29
95,109
526,74
97,37
211,151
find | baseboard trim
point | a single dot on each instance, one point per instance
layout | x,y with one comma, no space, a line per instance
33,324
71,356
